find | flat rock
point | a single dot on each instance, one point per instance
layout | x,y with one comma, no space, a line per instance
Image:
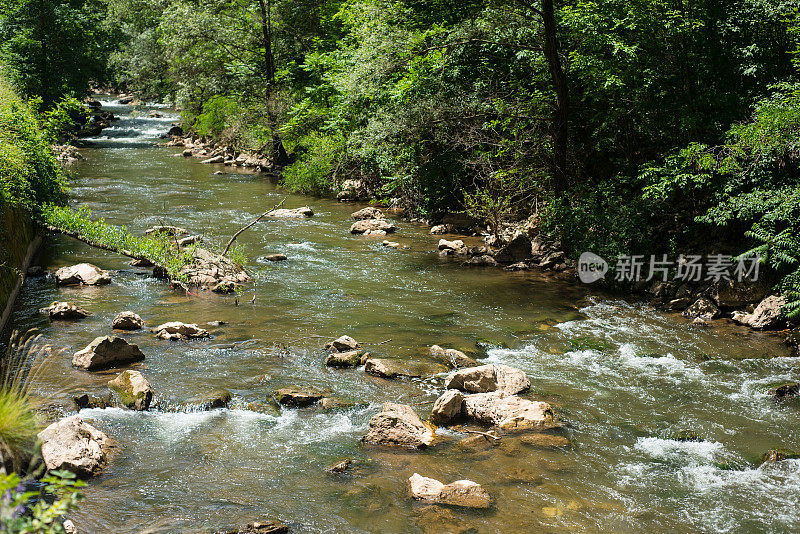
367,213
298,397
74,445
510,412
106,352
66,311
398,425
372,226
766,315
127,320
133,389
351,358
463,493
392,368
178,330
342,344
452,357
486,378
294,213
82,274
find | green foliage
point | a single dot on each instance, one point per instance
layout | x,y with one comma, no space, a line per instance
219,112
159,249
60,121
38,512
318,168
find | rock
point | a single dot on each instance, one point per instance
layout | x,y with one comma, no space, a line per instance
342,344
187,153
438,520
340,466
276,257
766,315
125,100
390,244
106,352
777,455
352,190
680,304
440,229
481,261
35,271
66,311
330,403
552,260
464,493
392,368
485,378
703,308
351,358
509,412
92,103
155,115
69,527
140,263
295,213
213,271
215,159
74,445
218,398
133,389
166,230
179,330
298,397
456,245
189,240
367,213
398,425
733,294
86,400
454,358
127,320
448,408
371,226
517,249
82,274
262,527
787,389
175,131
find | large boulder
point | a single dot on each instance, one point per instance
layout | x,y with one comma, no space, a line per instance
127,320
82,274
766,315
179,330
399,425
133,389
342,344
509,412
372,225
106,352
367,213
486,378
704,308
298,397
516,250
392,368
66,311
448,408
464,493
294,213
74,445
733,294
454,358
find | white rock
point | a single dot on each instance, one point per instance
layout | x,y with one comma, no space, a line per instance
74,445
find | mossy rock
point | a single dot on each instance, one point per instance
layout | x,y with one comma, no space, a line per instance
777,455
684,435
779,390
591,343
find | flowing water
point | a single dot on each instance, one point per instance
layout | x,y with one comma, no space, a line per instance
625,377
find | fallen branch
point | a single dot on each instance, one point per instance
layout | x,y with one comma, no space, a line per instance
486,434
228,246
79,237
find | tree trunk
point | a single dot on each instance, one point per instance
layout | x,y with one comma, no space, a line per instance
279,155
560,128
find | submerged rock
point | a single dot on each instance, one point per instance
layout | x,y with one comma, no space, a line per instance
74,445
788,389
106,352
350,358
294,213
178,330
486,378
342,344
340,466
454,358
510,412
218,398
127,320
367,213
298,397
66,311
481,261
398,425
82,274
464,493
371,226
133,389
391,368
766,315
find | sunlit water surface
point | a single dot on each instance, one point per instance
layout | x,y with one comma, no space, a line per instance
624,376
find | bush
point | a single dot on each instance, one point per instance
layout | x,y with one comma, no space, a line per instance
315,172
38,512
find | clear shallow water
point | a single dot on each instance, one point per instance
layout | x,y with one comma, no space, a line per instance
624,376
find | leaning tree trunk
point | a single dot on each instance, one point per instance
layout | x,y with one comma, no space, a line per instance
279,155
560,128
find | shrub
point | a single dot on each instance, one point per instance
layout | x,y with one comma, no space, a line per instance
316,170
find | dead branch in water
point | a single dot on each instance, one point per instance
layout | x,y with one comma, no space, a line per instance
486,434
228,246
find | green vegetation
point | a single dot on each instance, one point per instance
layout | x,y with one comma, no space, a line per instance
45,514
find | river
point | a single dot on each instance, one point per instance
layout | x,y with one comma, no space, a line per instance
625,377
